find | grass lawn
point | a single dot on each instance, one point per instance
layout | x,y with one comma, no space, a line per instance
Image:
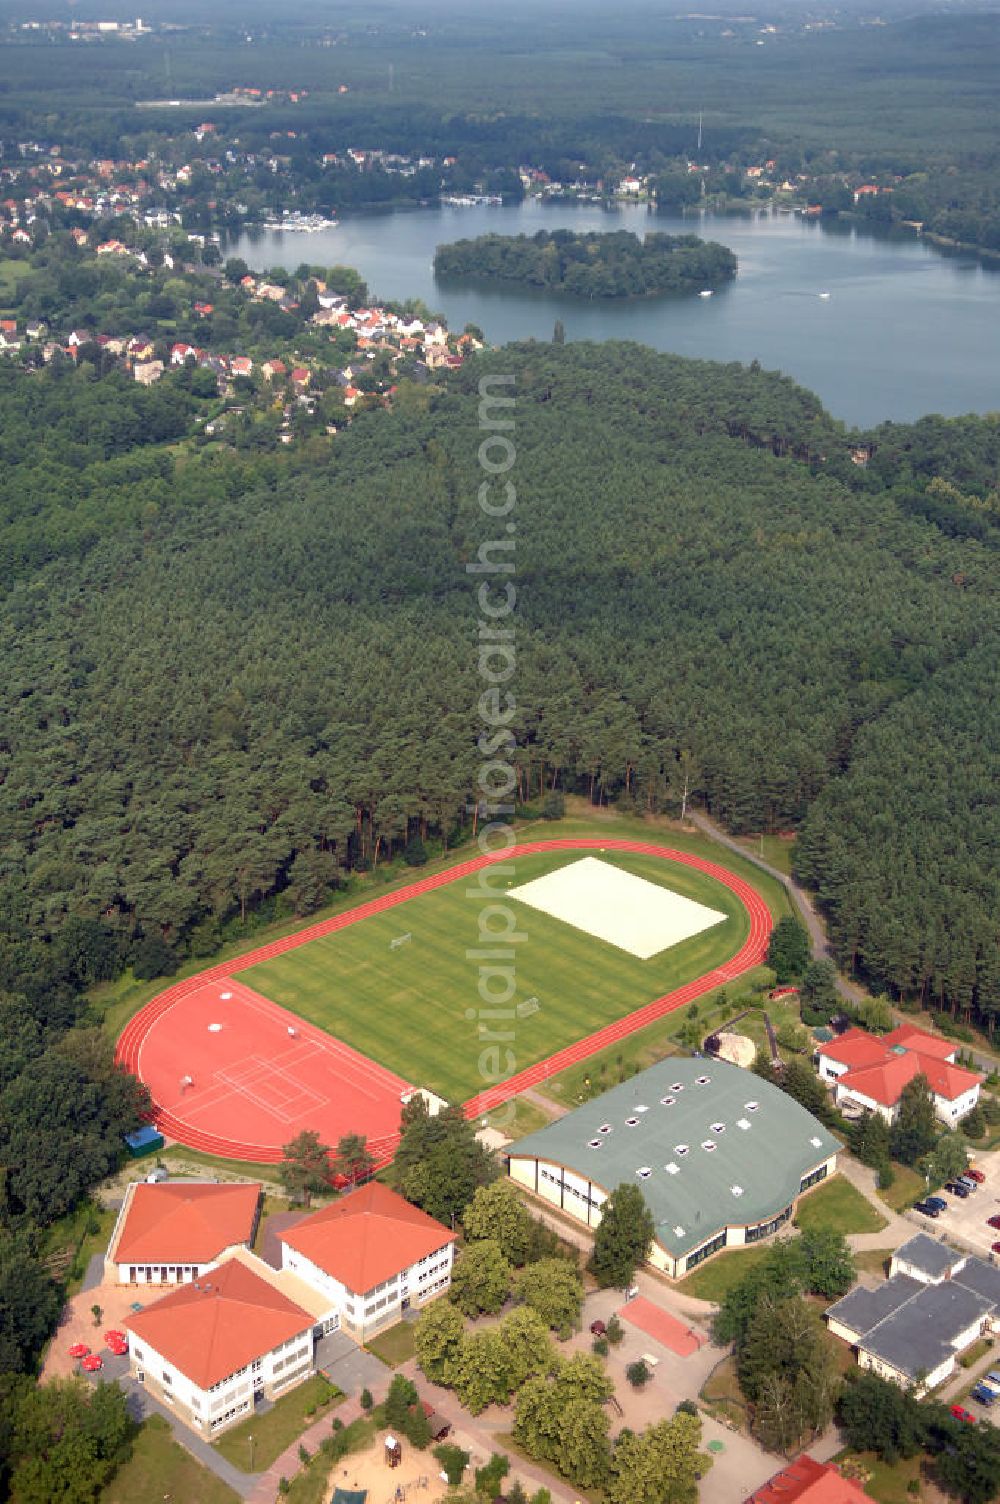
346,981
279,1427
886,1484
396,1345
908,1186
716,1277
874,1261
160,1469
839,1207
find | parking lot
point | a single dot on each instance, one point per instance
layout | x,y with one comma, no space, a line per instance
965,1222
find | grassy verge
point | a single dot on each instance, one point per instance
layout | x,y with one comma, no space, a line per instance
180,1160
907,1187
525,1117
642,1049
312,1484
396,1345
837,1206
721,1395
777,851
715,1278
279,1427
160,1469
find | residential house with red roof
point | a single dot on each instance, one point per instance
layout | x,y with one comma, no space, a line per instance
172,1232
211,1347
806,1481
869,1071
373,1254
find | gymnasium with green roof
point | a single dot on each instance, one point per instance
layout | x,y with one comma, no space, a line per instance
720,1155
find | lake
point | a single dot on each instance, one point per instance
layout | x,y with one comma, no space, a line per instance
907,329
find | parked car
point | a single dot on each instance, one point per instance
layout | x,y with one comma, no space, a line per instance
985,1395
976,1175
993,1377
993,1221
995,1247
956,1188
937,1201
960,1413
598,1328
927,1209
966,1180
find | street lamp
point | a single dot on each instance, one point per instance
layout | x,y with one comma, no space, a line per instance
250,1440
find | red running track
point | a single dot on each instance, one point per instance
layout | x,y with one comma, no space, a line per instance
168,1035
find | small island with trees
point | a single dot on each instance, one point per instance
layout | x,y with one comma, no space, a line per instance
616,264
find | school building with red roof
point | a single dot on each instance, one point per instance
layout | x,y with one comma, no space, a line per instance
870,1071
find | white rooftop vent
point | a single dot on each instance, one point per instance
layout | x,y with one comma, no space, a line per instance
708,1145
737,1190
751,1106
642,1107
631,1122
718,1127
817,1143
667,1101
644,1172
672,1169
681,1149
677,1086
604,1128
702,1080
678,1232
742,1123
594,1143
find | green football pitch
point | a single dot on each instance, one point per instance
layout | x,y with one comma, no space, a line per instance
415,1008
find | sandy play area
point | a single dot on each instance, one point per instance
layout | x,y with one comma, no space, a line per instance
417,1478
616,906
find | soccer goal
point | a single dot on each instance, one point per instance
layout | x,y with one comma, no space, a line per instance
400,941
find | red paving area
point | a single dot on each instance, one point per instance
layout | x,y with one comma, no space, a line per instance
662,1326
254,1086
255,1080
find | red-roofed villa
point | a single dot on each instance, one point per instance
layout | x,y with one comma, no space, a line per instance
870,1072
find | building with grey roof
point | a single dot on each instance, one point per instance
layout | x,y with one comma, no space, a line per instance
864,1307
913,1327
927,1259
720,1155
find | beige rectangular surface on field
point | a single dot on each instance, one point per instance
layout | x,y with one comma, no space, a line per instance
627,911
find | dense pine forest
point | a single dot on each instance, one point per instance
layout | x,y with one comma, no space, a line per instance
234,677
615,265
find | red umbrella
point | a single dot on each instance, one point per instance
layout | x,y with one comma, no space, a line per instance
114,1336
92,1364
79,1350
